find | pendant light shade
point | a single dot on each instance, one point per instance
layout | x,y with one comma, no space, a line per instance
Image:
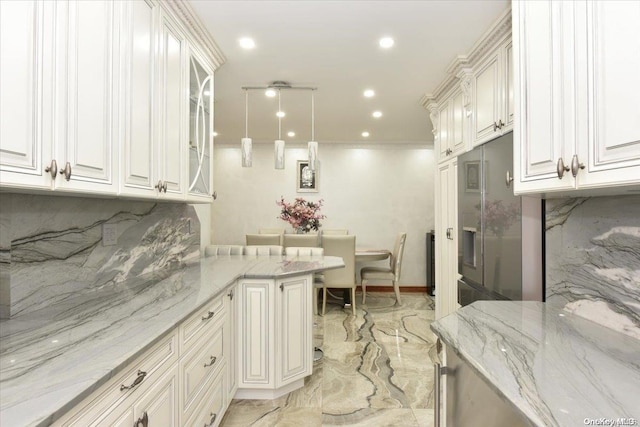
313,144
246,145
278,150
279,154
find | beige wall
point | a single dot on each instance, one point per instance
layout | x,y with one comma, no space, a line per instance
373,190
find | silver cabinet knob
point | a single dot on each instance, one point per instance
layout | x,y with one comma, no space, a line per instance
500,124
66,172
215,195
164,186
561,168
52,168
508,179
159,186
495,126
576,165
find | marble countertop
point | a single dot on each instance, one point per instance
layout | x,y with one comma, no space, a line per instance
556,368
53,358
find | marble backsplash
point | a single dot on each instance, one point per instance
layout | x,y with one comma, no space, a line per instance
51,247
593,259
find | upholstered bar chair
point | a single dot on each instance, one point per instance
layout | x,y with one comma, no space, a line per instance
383,273
216,250
263,250
264,239
279,231
301,240
344,247
294,251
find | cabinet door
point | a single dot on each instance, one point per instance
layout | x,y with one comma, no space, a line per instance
231,348
446,247
200,129
611,153
160,402
544,132
86,139
172,124
507,83
256,330
138,52
25,70
459,127
294,330
444,133
486,114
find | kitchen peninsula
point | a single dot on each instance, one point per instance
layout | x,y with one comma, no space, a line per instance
77,362
548,366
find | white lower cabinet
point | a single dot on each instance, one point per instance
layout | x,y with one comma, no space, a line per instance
255,339
446,226
275,326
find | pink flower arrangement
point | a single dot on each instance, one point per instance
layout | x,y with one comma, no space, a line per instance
303,215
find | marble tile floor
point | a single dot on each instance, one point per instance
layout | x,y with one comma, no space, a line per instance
377,370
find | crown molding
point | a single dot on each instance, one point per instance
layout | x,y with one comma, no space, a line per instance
183,11
462,64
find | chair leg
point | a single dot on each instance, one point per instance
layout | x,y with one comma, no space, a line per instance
315,301
396,289
353,300
324,299
364,290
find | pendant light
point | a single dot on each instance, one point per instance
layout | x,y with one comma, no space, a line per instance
312,146
279,143
246,144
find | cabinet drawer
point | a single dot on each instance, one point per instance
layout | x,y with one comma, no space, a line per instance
199,366
137,377
211,412
199,324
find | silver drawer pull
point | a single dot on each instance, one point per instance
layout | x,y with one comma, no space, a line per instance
211,362
212,420
136,382
209,315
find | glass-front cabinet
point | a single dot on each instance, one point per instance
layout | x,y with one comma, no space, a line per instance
200,128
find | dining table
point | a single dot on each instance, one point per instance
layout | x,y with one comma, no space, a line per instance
369,255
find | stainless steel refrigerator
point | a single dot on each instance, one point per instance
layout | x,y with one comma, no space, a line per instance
497,230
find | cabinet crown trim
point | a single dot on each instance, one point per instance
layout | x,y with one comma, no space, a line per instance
183,11
489,40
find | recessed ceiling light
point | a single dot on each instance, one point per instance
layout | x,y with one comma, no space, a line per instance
270,93
377,114
369,93
207,93
280,114
386,42
247,43
291,134
215,134
365,134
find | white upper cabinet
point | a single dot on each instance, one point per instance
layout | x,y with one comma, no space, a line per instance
172,156
95,99
137,94
25,104
200,128
492,94
85,134
578,79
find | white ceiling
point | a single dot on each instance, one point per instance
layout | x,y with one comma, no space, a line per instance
333,45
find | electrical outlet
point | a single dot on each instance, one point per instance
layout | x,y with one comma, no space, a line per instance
109,234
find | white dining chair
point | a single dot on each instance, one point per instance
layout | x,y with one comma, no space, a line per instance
263,250
386,273
263,239
301,240
345,247
294,251
279,231
217,250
